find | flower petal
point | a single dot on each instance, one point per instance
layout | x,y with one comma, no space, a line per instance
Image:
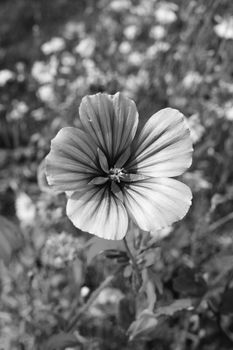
157,202
99,212
164,146
111,121
71,163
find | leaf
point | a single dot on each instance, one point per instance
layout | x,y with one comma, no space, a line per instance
128,271
144,326
149,258
10,239
149,289
156,279
116,254
98,245
61,341
226,307
189,283
174,307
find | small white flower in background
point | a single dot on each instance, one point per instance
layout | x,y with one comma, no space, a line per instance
67,59
52,46
5,76
226,86
86,47
131,32
224,29
46,93
38,114
125,48
191,80
25,209
120,5
19,110
113,174
59,249
45,72
197,130
136,58
165,13
228,111
157,32
157,47
134,82
144,9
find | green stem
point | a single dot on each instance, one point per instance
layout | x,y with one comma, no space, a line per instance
133,261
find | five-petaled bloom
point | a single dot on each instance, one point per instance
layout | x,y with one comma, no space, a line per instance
112,174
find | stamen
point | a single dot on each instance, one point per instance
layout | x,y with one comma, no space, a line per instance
116,174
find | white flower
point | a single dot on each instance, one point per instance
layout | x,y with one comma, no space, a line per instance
165,13
45,72
46,93
113,175
225,28
158,32
5,76
86,47
52,46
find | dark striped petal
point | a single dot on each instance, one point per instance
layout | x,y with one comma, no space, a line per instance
111,122
99,212
72,161
164,147
156,202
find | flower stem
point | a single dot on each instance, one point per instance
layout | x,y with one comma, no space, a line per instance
133,261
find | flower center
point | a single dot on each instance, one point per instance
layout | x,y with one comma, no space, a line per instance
116,174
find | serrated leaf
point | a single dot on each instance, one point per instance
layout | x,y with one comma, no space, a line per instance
61,341
98,245
226,307
174,307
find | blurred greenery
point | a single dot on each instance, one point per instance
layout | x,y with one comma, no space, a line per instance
175,53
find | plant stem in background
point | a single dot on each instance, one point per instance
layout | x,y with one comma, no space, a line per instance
133,260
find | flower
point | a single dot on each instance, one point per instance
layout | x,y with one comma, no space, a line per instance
54,45
113,174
